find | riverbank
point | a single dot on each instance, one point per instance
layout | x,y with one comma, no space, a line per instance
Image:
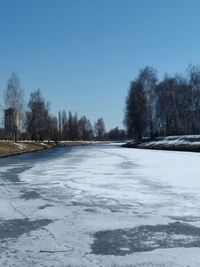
9,148
190,143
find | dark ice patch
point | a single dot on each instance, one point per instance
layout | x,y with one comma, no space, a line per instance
127,164
45,206
90,210
145,238
11,175
17,227
30,195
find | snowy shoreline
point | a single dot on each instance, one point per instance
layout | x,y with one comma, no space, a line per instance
188,143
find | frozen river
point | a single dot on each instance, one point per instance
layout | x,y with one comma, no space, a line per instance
100,206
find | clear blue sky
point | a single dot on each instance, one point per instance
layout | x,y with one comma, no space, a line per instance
82,54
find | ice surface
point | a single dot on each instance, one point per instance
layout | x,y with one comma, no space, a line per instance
94,189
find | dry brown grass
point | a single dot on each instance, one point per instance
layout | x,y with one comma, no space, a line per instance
8,148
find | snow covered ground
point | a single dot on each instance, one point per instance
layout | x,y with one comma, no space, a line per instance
175,143
177,140
100,206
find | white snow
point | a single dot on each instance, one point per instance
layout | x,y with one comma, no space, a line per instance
20,145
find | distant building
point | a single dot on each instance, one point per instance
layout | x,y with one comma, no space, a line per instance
12,119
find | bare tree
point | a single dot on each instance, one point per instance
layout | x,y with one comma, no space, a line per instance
85,129
14,101
38,117
117,134
168,107
99,129
54,133
135,114
148,79
60,124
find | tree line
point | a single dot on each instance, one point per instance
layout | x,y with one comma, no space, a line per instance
34,121
167,107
